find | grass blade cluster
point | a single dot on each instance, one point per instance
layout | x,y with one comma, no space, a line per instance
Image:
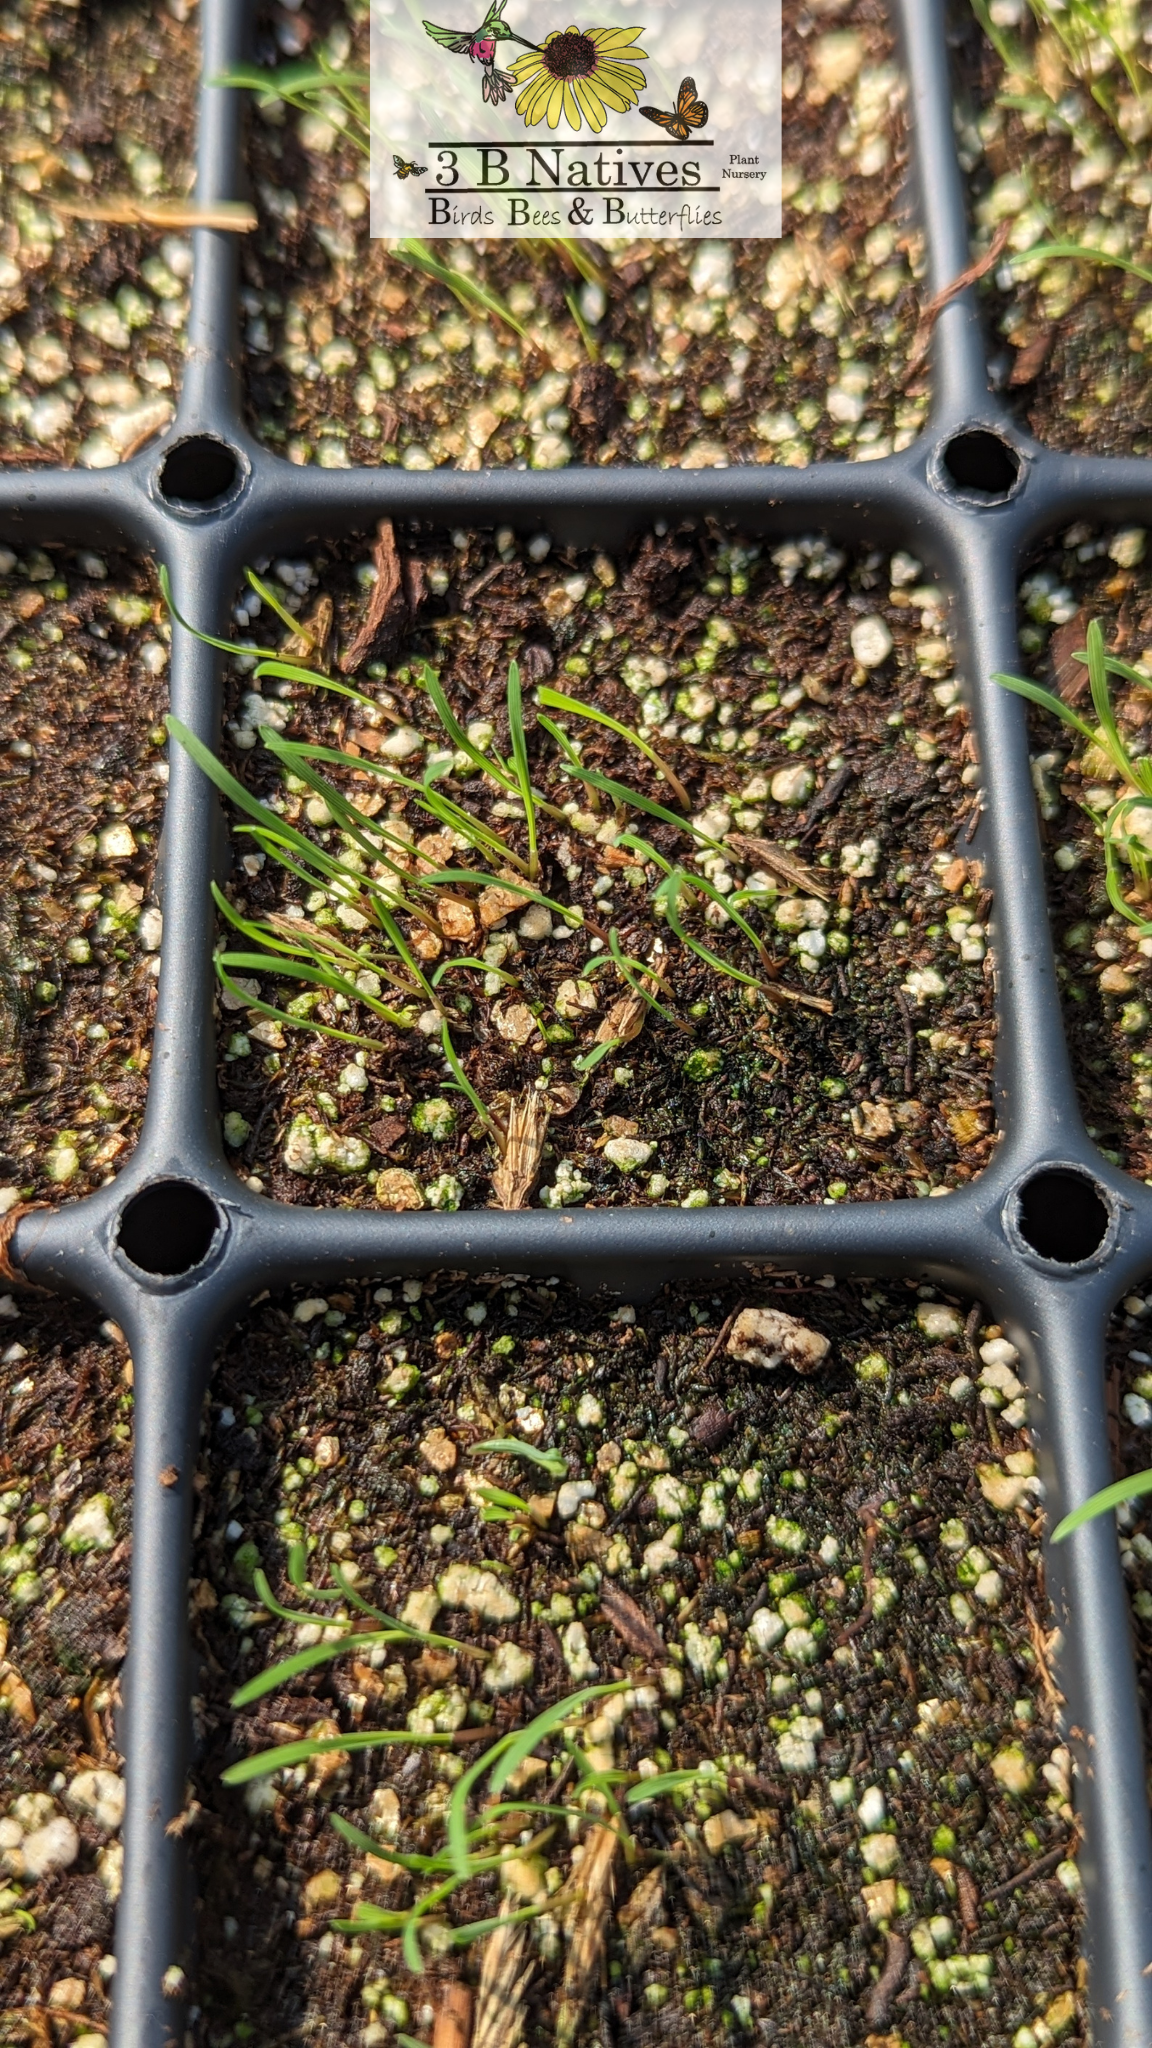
555,700
486,1826
1122,843
1080,29
1126,826
312,86
363,957
470,1850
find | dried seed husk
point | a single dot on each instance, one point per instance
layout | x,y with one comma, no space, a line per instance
632,1624
625,1020
527,1123
310,642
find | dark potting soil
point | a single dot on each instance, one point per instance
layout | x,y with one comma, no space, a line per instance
82,686
1102,965
738,661
1063,158
852,1504
65,1523
97,107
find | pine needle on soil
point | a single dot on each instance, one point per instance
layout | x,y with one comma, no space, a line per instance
121,209
782,865
922,339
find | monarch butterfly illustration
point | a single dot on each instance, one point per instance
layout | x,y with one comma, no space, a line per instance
690,112
404,170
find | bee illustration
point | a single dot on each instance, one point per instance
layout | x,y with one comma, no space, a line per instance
404,170
690,112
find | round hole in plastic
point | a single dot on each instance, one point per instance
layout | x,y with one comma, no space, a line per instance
981,463
167,1228
198,471
1063,1216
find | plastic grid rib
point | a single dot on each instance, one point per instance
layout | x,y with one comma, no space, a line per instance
220,1244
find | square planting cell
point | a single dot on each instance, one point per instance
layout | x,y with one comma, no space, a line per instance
793,717
697,355
95,255
84,683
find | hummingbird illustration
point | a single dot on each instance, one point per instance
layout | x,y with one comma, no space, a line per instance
480,46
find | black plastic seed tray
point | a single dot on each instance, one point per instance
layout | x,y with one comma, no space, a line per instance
1048,1237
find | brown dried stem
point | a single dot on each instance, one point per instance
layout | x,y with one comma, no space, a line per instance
505,1974
588,1914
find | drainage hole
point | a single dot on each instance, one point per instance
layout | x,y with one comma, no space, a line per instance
980,461
1062,1216
168,1227
198,471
